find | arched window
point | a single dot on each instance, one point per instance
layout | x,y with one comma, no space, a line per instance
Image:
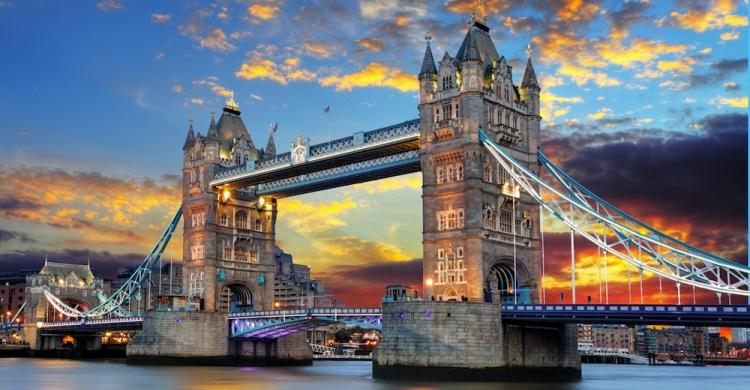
224,221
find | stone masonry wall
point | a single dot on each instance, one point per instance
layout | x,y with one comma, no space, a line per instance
180,334
441,334
541,346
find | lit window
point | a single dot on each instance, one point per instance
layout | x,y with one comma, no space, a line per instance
258,224
441,253
460,253
459,171
440,173
224,220
451,176
451,220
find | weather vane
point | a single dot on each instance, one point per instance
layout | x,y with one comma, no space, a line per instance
528,50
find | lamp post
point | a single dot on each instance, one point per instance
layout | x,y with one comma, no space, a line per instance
428,289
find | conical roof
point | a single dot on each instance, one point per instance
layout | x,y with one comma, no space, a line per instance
529,76
190,139
213,131
428,63
472,50
480,35
270,149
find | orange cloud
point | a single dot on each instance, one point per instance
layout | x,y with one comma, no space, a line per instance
259,67
375,74
582,76
263,11
576,11
370,44
717,15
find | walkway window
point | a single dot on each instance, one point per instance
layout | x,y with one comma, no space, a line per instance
459,171
440,175
224,220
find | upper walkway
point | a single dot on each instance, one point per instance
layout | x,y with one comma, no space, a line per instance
361,157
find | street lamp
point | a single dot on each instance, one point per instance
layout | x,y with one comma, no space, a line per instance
428,289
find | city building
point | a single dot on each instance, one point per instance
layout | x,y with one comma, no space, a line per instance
739,335
294,288
718,345
611,337
12,289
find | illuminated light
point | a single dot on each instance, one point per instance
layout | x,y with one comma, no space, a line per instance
7,313
39,324
261,201
108,334
277,304
428,282
225,195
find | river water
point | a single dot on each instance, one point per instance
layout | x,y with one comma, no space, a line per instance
54,374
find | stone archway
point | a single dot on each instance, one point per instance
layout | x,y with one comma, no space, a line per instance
236,296
501,285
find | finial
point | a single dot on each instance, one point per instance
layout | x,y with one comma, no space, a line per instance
428,38
272,127
190,120
231,104
528,50
213,114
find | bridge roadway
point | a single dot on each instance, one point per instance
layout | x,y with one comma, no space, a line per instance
361,157
278,323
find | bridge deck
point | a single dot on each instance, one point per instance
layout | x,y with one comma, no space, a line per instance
361,157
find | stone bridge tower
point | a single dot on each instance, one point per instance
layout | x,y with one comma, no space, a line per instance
228,235
478,226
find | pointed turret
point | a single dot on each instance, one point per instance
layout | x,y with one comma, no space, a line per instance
428,63
270,149
213,131
190,140
530,86
529,76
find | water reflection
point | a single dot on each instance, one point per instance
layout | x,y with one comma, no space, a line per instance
77,375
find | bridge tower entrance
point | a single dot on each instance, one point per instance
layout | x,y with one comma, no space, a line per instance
228,234
473,213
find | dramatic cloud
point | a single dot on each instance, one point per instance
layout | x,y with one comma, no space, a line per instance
7,235
101,209
375,74
103,263
364,286
663,178
717,72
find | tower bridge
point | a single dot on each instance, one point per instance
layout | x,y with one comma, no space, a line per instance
477,146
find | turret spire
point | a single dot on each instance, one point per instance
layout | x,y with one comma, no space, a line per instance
270,149
190,139
472,50
529,76
213,131
428,63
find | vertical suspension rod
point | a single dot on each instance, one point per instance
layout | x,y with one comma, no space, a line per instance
572,257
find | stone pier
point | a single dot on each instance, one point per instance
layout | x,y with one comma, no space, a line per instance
466,341
201,338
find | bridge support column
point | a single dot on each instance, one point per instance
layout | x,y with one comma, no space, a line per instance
433,340
181,338
291,350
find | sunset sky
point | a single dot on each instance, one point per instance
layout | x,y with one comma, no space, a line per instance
643,102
